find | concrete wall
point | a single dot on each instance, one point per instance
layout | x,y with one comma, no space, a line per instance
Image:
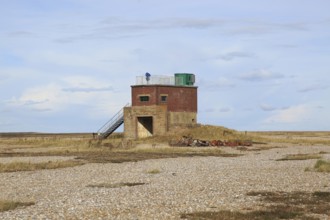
132,126
182,119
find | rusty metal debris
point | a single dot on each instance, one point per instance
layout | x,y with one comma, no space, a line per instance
187,141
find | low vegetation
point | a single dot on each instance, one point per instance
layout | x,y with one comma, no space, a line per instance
277,205
323,152
115,149
26,166
300,157
153,171
209,132
236,215
10,205
145,154
322,166
127,155
115,185
304,203
293,137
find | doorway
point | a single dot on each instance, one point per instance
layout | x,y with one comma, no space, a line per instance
144,126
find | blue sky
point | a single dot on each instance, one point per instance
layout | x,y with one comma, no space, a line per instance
67,65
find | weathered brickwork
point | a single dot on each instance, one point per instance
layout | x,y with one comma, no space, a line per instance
179,98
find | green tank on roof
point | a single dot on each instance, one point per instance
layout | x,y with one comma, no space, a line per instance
184,79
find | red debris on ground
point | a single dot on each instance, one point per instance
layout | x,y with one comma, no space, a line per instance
187,141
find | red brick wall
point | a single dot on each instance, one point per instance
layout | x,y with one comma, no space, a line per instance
179,98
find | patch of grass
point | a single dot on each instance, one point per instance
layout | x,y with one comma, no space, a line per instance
210,132
153,171
300,157
299,137
25,166
301,202
115,185
308,169
50,144
111,150
256,215
10,205
322,166
324,195
323,152
278,205
145,154
99,155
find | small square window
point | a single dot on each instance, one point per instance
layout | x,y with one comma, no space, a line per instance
163,98
144,98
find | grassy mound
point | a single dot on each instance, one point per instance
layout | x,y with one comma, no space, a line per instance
209,132
202,132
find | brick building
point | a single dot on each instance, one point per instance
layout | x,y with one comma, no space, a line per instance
160,104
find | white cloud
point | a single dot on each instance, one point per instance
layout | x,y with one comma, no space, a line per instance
293,114
15,73
85,84
61,96
232,55
261,75
313,87
224,109
23,34
41,97
267,107
219,83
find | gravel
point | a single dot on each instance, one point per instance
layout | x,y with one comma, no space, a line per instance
183,185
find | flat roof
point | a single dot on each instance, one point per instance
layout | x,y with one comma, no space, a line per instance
162,85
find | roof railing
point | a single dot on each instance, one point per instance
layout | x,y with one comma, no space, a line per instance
155,80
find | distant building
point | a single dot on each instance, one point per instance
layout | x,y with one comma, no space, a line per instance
159,104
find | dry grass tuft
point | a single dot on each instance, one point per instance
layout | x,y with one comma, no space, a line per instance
293,137
146,154
24,166
104,155
323,152
10,205
209,132
202,132
236,215
153,171
278,205
301,202
322,166
115,185
300,157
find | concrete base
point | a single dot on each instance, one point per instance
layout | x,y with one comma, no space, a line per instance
146,121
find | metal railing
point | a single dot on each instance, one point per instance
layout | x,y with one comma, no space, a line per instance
155,80
110,126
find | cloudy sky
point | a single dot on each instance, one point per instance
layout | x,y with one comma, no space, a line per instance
67,65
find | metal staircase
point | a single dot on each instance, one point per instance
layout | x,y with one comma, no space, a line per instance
109,127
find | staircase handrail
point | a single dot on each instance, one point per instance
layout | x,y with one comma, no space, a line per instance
114,119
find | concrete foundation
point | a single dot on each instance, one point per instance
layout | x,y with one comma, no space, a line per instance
146,121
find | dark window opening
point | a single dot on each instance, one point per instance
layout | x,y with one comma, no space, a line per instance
163,98
144,98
